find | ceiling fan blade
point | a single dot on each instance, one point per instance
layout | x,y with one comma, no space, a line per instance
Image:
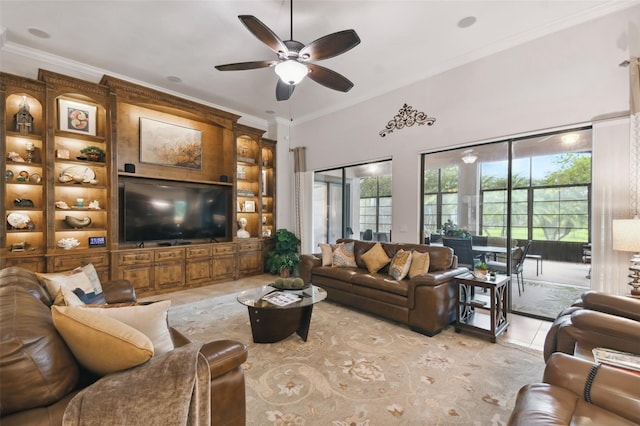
329,78
284,90
330,45
240,66
263,33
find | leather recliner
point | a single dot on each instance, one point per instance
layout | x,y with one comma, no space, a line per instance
572,392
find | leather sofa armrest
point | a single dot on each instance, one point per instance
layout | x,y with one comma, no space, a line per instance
613,389
597,329
224,356
119,291
621,306
178,338
437,277
307,263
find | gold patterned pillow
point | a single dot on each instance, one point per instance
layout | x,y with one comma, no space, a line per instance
343,256
375,258
419,264
400,265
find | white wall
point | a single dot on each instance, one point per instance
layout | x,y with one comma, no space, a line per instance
562,79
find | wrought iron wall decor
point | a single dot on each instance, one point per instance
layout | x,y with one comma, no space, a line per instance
407,117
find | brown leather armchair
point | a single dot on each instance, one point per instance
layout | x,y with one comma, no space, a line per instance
39,376
564,398
596,320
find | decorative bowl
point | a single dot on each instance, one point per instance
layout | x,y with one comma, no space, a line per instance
480,274
74,222
68,243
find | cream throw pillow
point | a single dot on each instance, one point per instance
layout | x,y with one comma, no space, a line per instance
375,258
419,264
327,254
101,344
151,320
66,297
400,265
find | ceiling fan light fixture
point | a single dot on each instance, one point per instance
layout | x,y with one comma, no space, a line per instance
469,157
291,72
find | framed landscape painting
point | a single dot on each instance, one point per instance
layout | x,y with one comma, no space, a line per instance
168,144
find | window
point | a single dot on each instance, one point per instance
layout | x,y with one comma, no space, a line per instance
375,203
440,198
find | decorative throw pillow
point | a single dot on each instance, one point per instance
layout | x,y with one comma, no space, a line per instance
70,279
149,319
66,297
91,272
343,256
101,344
375,258
327,253
400,265
419,264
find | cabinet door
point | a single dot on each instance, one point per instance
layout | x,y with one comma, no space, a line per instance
224,267
33,264
199,271
250,262
141,276
169,275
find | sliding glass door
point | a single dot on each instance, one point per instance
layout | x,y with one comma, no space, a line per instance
525,204
353,202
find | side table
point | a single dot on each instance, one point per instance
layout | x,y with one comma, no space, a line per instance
478,312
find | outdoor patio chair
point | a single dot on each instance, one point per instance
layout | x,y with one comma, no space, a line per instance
463,248
517,261
368,235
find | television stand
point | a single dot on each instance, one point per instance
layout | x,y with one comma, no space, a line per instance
174,243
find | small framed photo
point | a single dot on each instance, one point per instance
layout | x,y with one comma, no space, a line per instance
250,206
63,154
77,117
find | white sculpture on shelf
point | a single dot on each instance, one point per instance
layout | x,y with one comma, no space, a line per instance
242,232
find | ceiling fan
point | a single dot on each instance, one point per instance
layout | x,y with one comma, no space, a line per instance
295,59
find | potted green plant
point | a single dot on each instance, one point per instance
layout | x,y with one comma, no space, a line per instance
284,258
93,153
480,270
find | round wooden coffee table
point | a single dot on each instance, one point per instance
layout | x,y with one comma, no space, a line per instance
271,321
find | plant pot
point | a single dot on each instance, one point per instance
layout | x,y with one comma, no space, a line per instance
284,272
480,274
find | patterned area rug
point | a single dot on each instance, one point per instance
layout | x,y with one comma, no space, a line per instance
544,298
356,369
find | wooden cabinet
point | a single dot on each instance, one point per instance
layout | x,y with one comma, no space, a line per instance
79,257
249,257
225,261
152,270
22,143
268,188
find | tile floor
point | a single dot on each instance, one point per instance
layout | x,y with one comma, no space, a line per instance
523,331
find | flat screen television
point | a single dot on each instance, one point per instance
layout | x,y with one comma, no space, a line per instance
153,210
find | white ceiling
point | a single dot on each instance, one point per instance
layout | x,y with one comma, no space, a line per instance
147,41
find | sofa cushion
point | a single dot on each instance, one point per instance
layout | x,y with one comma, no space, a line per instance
341,274
343,256
381,282
36,367
66,297
419,264
101,344
150,319
376,258
400,265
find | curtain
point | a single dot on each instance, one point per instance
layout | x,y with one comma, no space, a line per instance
634,80
299,167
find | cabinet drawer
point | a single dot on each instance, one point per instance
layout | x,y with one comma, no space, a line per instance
171,254
135,257
224,248
65,263
249,246
193,252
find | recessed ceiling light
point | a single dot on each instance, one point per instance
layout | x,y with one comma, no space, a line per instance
467,22
39,33
270,112
174,79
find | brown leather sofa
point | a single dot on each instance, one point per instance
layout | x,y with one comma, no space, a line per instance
39,376
563,397
426,303
596,320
